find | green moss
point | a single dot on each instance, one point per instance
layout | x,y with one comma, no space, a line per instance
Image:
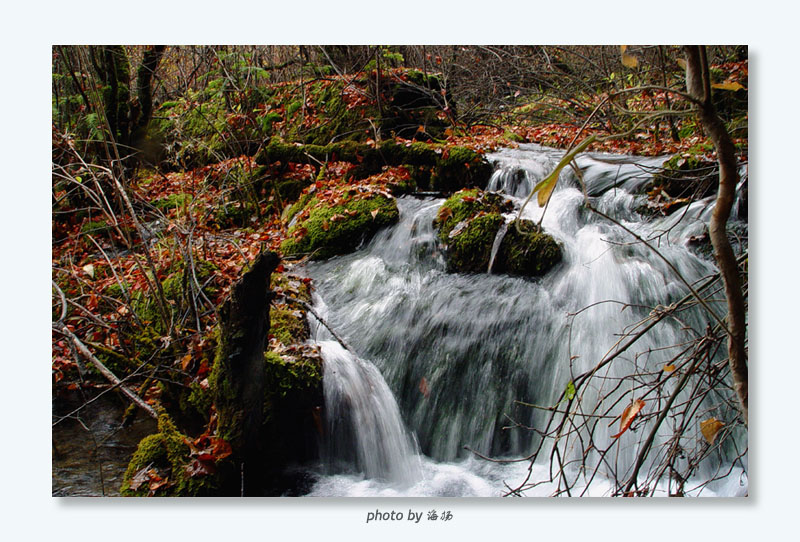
296,207
288,325
469,250
465,204
511,136
329,230
468,224
173,201
291,375
200,399
94,227
168,454
116,362
530,253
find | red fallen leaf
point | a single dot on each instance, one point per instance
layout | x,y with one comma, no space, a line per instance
199,468
139,478
468,199
628,415
280,268
222,448
156,484
423,387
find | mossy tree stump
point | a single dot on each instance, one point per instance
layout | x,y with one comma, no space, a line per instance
238,376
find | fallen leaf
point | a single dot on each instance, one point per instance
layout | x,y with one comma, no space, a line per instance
374,213
186,360
628,415
141,476
200,468
669,368
445,213
728,85
423,387
629,61
710,428
89,270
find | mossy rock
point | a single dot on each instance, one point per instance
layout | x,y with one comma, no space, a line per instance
685,176
433,167
528,253
469,248
466,204
162,467
293,402
469,223
461,167
325,229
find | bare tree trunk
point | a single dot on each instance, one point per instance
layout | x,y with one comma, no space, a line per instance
699,86
144,76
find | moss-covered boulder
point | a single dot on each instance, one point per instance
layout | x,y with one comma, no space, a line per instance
469,223
293,403
436,167
527,252
168,464
338,221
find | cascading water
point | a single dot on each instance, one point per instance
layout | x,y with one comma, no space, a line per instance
458,351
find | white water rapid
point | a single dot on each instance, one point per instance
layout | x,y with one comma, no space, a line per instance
444,358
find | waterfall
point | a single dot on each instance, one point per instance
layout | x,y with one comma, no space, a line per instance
498,240
364,425
453,355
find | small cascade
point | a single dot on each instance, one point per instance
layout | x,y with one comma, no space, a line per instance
498,240
365,430
453,355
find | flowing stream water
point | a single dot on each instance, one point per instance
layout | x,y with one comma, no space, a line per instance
444,358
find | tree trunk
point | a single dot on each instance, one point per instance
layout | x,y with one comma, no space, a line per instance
699,86
144,78
239,369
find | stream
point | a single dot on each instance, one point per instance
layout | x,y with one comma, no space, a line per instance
443,359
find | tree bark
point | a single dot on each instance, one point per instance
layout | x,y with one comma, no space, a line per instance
240,378
699,86
144,78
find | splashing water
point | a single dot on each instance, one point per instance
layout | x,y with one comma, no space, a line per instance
454,354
